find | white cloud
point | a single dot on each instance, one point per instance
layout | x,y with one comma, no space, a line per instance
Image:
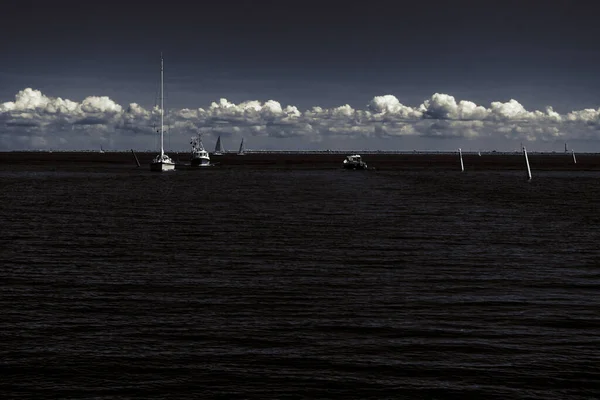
588,116
389,105
36,120
443,106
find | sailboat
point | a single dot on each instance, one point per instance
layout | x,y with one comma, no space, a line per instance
218,148
162,162
200,157
242,150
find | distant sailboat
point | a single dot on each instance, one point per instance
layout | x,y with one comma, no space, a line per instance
218,148
242,150
162,162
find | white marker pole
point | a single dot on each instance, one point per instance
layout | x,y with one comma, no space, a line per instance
527,162
574,159
462,166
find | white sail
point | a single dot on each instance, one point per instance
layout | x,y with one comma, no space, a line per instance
162,162
218,147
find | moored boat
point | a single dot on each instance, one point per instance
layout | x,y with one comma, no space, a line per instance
199,156
162,162
354,161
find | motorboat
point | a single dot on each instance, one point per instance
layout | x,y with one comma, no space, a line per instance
354,161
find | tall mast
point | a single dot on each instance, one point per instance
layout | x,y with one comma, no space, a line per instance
162,108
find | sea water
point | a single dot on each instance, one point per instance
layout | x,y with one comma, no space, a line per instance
273,283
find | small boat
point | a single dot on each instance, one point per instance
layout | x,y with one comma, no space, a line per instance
162,162
218,148
200,157
242,150
354,161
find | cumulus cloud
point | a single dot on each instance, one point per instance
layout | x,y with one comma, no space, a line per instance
443,106
35,120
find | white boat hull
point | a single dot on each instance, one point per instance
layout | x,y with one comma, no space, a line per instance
162,166
200,162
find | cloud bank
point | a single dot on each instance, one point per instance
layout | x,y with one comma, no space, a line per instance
36,121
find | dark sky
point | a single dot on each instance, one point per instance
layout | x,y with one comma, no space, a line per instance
304,53
309,52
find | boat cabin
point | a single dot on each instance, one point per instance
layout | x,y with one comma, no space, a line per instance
353,158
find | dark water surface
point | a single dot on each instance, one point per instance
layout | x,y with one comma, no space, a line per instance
283,283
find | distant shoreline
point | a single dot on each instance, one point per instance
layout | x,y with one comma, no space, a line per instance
379,160
390,152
